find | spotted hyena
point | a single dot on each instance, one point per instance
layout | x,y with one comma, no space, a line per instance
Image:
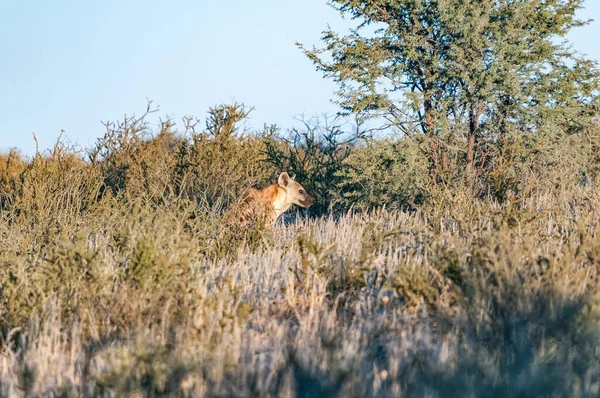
267,204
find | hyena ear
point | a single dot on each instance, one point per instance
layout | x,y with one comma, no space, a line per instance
284,180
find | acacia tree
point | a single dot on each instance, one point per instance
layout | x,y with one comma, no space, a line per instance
452,72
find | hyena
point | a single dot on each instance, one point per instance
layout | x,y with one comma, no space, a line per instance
267,204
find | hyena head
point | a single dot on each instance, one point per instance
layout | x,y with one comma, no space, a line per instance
295,192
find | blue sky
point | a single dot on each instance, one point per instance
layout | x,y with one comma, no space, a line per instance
70,64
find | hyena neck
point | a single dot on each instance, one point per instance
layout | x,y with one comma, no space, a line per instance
278,199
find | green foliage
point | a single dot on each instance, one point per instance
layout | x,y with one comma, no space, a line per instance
383,172
460,76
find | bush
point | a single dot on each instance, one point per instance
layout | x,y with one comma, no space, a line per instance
383,173
314,155
213,166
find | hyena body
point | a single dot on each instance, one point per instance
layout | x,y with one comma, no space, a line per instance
267,204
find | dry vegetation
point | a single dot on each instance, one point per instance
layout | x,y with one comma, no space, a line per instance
118,275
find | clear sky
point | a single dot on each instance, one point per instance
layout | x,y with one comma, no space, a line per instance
70,64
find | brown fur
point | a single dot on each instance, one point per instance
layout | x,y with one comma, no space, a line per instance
267,204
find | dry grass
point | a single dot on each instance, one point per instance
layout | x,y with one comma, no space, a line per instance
465,296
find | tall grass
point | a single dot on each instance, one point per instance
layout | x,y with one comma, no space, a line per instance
120,277
498,300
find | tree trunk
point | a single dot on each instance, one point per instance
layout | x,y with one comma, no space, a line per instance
471,153
437,157
504,122
474,115
429,128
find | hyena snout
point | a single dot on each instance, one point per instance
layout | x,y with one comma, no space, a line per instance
307,201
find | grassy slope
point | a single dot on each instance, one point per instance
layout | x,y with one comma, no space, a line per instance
465,297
